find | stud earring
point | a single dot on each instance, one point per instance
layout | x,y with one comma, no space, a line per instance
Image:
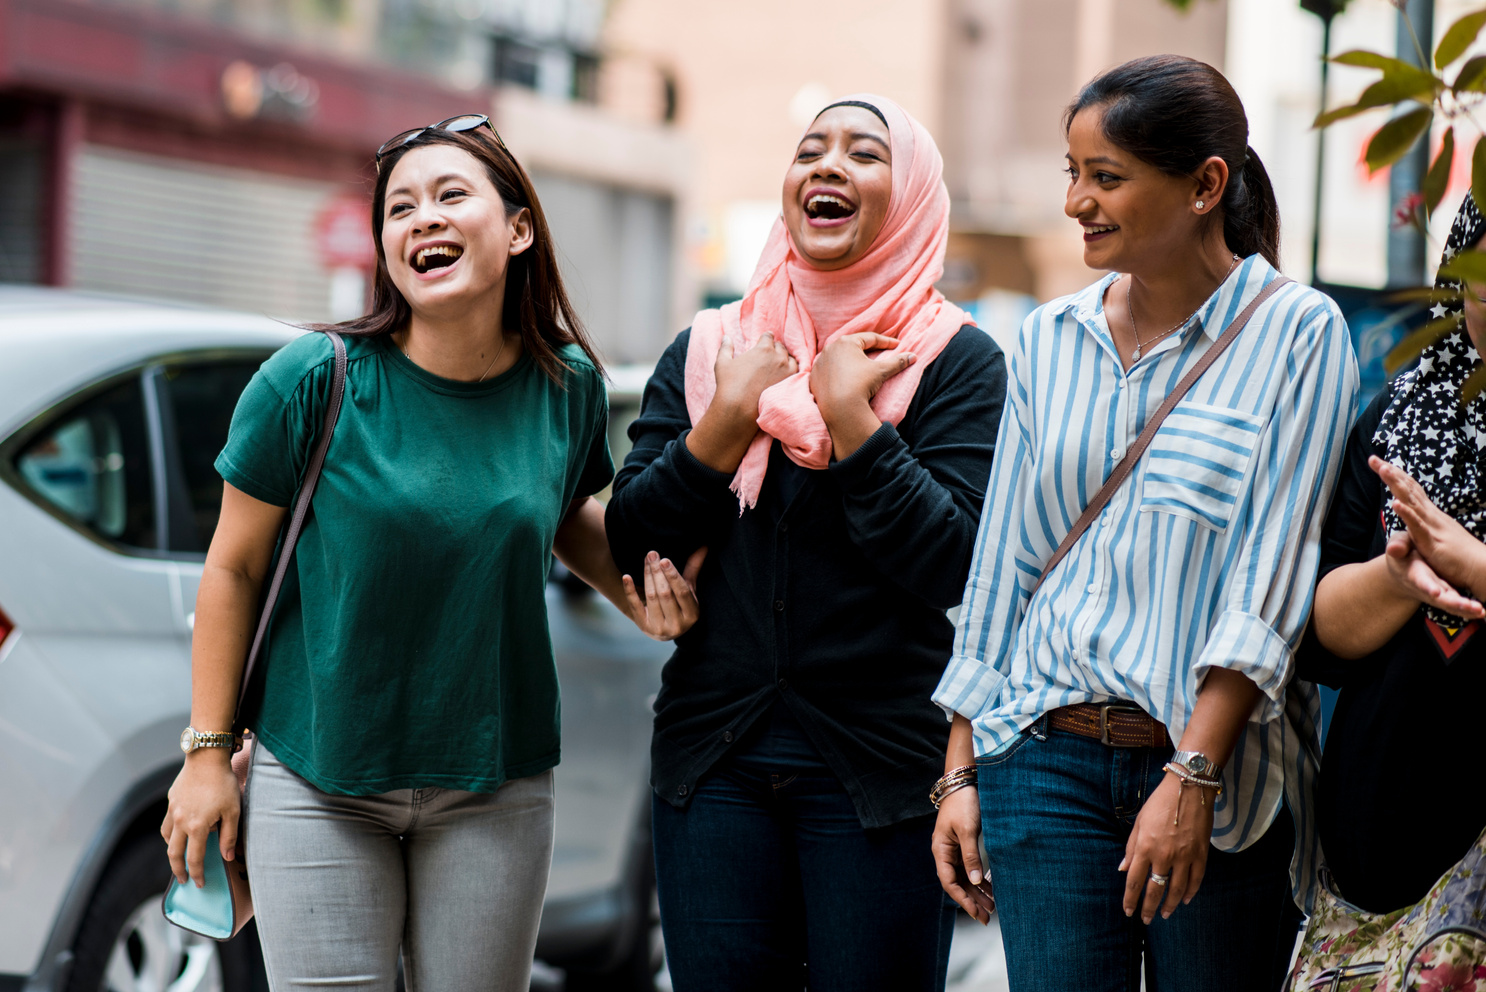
1200,204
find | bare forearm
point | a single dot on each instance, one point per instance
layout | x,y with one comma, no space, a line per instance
583,547
1359,608
721,438
850,426
225,620
961,749
1223,707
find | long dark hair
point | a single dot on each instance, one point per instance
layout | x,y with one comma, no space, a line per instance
536,303
1175,113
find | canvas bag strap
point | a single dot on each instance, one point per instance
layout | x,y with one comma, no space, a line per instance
296,519
1127,464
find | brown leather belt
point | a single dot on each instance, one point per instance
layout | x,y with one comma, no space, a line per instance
1115,724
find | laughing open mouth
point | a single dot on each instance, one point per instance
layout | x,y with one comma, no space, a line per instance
436,257
823,206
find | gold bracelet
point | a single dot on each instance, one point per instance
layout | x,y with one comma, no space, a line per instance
952,781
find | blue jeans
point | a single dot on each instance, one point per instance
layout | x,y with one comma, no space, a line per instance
1056,812
768,875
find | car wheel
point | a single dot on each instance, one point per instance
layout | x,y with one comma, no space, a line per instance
125,943
642,964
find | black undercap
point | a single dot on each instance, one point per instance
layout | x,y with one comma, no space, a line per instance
857,103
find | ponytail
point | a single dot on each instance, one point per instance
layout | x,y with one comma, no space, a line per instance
1251,216
1175,113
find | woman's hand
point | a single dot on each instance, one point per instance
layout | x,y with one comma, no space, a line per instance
742,379
1449,549
721,437
845,378
1413,578
204,797
670,606
1169,844
956,846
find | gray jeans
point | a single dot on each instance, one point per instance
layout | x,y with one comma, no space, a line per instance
455,879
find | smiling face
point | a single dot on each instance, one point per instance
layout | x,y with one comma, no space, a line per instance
1134,215
445,232
837,191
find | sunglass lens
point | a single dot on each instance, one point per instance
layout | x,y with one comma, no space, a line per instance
399,139
465,122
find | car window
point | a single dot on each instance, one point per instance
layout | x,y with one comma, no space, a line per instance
200,398
93,464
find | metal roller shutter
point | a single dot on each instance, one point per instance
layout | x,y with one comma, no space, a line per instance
227,237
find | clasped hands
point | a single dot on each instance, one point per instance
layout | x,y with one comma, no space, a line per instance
1434,555
843,379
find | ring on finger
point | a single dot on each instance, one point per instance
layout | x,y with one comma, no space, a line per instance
1160,879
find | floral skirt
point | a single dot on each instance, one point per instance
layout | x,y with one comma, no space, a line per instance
1436,945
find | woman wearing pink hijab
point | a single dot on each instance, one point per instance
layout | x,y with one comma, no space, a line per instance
828,438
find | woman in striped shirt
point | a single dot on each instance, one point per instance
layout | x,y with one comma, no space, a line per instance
1173,618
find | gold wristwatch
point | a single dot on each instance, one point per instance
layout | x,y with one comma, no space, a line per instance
191,739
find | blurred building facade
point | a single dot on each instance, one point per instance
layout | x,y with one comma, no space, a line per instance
989,78
219,151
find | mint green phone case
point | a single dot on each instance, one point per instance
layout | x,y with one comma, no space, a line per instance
207,910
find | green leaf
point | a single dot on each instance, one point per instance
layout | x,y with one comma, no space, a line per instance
1332,116
1395,138
1392,88
1368,60
1468,266
1458,38
1423,294
1478,174
1472,76
1438,176
1412,346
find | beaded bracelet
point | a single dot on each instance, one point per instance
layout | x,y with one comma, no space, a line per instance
1188,778
952,781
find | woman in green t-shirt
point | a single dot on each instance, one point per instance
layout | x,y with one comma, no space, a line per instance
407,713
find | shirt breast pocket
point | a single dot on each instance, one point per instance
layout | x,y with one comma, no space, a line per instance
1198,461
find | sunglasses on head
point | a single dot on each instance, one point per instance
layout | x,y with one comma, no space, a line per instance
464,122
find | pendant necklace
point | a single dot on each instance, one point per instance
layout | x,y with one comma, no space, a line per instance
498,352
1130,309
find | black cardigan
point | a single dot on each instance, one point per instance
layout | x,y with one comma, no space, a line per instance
1398,795
829,594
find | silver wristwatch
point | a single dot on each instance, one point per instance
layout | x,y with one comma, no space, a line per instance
1197,763
191,739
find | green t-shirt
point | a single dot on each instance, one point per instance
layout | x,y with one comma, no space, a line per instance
410,646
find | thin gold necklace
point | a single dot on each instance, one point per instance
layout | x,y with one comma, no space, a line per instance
498,352
1130,309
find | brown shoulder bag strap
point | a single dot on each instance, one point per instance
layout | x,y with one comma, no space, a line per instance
296,519
1127,464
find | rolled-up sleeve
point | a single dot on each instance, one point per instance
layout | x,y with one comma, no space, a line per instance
997,590
1272,580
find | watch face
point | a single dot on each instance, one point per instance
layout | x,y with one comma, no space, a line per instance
188,742
1199,765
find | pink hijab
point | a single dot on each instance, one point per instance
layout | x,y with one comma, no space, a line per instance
890,290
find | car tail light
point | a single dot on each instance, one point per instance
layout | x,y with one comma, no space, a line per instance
5,626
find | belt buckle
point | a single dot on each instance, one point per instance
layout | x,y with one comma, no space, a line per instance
1104,722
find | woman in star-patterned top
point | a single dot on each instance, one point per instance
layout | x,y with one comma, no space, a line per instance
1398,610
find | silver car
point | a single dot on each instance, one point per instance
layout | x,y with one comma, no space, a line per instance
111,414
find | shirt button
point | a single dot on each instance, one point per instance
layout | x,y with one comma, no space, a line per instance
778,606
1117,453
783,684
681,791
727,736
1093,588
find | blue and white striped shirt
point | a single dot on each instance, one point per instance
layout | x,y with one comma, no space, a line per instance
1206,556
